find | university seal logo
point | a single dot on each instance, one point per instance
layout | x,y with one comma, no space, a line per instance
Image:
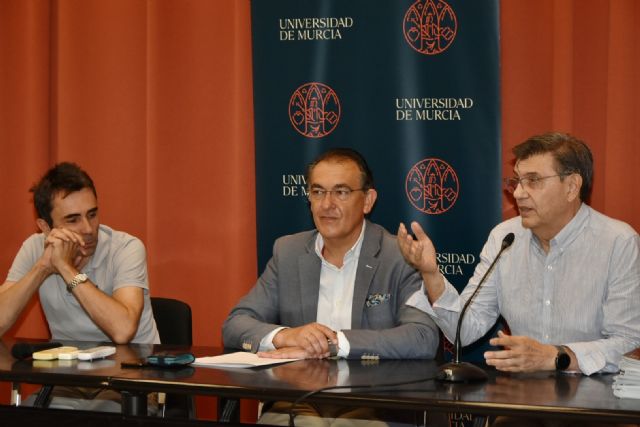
430,26
432,186
314,110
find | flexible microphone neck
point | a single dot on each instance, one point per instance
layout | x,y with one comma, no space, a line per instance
506,242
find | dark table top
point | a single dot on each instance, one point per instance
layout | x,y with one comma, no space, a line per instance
372,383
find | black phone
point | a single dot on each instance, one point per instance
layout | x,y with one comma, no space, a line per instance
165,360
134,363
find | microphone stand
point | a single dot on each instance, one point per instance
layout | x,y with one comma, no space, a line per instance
458,371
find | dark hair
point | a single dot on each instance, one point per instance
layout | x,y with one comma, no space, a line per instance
63,178
339,154
571,155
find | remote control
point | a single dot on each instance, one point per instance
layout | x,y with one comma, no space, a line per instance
71,355
96,352
53,353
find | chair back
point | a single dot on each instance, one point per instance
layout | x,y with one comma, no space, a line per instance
173,320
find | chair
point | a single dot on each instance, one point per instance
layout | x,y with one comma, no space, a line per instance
173,320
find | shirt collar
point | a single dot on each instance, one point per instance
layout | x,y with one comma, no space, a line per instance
572,229
569,232
352,253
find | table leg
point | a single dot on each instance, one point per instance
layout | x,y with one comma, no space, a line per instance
134,403
228,410
16,398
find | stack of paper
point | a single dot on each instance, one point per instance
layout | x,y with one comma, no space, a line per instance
239,359
627,383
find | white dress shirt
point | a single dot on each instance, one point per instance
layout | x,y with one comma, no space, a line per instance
335,299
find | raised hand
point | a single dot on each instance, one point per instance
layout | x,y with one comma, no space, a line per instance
421,255
418,252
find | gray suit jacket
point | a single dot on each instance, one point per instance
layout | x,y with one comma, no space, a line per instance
381,325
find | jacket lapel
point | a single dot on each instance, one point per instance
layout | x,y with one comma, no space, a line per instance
309,275
367,266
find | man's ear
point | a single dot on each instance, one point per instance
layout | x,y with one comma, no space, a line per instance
43,226
369,200
575,184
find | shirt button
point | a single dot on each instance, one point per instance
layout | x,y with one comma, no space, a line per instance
549,267
547,302
546,337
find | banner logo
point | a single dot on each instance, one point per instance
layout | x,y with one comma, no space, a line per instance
430,26
432,186
314,110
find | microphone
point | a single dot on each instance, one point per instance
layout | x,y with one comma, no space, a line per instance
24,350
458,371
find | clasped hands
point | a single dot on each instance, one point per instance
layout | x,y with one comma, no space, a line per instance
63,248
309,341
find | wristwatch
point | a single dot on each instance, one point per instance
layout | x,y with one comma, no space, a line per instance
79,278
563,360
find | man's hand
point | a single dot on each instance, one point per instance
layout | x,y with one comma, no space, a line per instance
66,249
421,255
521,354
313,339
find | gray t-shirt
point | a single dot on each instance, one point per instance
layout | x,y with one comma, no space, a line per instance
119,260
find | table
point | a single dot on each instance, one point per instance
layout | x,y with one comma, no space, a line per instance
535,395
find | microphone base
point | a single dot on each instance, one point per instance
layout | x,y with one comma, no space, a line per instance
461,372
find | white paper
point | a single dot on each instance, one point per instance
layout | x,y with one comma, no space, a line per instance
239,359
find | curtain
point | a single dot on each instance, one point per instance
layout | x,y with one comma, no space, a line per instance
574,66
154,100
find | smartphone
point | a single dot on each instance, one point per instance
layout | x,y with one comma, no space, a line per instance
164,360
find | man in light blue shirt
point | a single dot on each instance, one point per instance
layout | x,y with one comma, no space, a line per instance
568,287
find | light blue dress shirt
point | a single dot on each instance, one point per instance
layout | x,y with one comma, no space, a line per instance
584,293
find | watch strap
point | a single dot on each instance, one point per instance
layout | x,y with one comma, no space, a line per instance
563,360
77,279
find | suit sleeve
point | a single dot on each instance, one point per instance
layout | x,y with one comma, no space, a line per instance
256,314
395,330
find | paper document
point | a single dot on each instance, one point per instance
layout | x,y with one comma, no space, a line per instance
239,359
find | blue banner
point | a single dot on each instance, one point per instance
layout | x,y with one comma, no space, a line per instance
412,85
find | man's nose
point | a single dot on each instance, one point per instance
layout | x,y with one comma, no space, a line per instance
327,200
85,226
519,192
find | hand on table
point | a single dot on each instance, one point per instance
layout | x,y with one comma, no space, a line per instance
311,340
520,354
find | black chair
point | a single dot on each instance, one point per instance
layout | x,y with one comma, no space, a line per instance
173,320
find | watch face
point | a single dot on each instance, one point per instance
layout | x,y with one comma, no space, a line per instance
563,360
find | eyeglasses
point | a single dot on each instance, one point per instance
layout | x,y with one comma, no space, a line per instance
529,183
342,194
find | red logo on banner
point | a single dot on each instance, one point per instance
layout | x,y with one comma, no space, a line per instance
314,110
430,26
432,186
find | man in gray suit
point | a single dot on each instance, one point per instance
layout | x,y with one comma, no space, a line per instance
344,284
339,290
